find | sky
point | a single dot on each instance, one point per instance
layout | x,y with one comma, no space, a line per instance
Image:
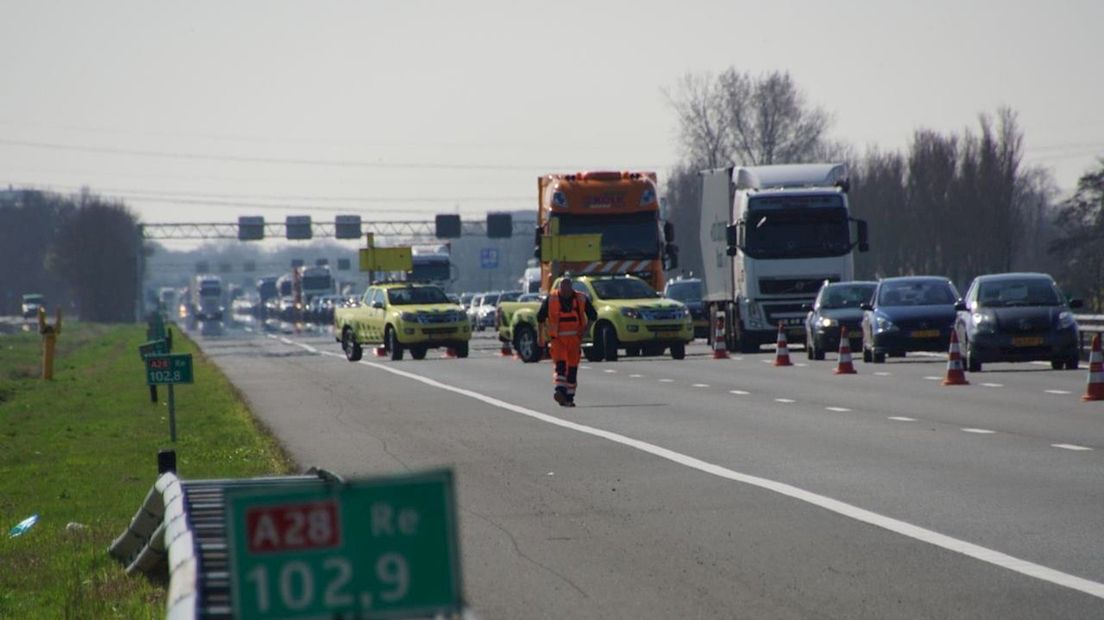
203,111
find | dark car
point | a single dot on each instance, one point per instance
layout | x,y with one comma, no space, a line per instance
837,305
912,313
1018,317
689,292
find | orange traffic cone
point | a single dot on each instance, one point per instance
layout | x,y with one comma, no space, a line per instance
955,374
845,365
381,352
720,351
782,350
1095,389
505,350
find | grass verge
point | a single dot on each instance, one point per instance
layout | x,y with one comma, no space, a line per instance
83,449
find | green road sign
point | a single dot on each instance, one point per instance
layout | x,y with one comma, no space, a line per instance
169,369
378,548
153,347
155,327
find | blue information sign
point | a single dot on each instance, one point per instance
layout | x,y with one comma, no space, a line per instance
488,258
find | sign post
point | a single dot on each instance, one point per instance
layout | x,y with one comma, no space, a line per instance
170,370
378,548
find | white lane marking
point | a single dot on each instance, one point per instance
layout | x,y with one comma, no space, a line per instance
899,418
1041,363
666,380
739,392
784,400
933,378
700,385
307,347
838,409
992,384
736,359
609,370
272,336
979,431
584,367
904,528
800,364
286,341
767,361
332,354
1058,392
883,374
635,376
1069,446
248,329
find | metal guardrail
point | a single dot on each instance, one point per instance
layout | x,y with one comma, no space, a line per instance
1089,325
179,532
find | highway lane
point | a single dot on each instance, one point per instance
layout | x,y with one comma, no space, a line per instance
1009,490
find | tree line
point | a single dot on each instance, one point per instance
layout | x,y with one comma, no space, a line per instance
958,204
80,251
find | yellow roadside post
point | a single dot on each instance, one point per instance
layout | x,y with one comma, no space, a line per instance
49,341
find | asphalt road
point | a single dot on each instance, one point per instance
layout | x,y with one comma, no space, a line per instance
718,488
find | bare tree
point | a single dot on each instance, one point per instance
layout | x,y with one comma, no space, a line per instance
1081,244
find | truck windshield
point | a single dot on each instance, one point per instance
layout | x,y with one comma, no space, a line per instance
416,295
631,235
690,290
318,282
210,290
623,288
431,269
796,227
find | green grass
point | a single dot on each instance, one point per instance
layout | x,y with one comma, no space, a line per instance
83,448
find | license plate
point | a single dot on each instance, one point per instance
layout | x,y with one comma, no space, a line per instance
1027,341
926,333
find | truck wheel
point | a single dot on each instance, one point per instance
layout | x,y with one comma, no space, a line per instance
393,345
352,349
461,350
678,351
593,353
608,337
526,345
418,353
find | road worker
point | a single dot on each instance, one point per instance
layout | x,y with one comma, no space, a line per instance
565,315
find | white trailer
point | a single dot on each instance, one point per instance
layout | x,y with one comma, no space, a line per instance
770,237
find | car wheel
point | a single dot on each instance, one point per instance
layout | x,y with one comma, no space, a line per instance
678,351
632,352
418,353
972,362
877,357
353,352
818,352
1073,363
592,353
809,353
1057,364
393,345
526,345
866,356
608,337
461,350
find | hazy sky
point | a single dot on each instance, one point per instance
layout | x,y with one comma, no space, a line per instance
203,111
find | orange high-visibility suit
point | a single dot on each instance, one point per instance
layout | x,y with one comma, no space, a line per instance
566,327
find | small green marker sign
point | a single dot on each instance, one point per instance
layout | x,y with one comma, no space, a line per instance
153,347
169,369
380,548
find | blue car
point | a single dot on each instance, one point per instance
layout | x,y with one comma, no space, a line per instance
911,313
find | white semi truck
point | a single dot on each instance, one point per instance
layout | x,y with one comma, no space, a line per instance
770,237
206,297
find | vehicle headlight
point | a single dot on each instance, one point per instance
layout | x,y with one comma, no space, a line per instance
884,325
632,313
984,322
828,322
410,317
1066,320
686,312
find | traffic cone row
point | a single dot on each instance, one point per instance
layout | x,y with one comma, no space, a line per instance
449,353
955,373
1095,388
782,350
720,351
381,352
845,366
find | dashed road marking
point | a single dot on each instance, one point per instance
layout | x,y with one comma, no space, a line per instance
584,367
784,400
286,341
1041,363
248,329
933,378
1058,392
272,336
851,511
838,409
635,376
666,380
700,385
900,418
992,384
739,392
610,371
736,359
882,373
979,431
1070,446
801,364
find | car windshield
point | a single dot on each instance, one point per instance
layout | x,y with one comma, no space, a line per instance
32,299
1027,292
409,295
916,293
209,290
490,299
622,288
630,235
846,296
688,291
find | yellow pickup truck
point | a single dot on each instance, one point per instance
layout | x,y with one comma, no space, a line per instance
402,316
631,316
